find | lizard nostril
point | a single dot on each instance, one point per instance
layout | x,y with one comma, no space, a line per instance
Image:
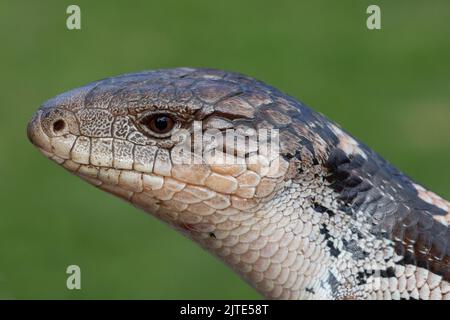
58,125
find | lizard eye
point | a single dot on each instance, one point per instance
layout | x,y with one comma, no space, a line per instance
158,124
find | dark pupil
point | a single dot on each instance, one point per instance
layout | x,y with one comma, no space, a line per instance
161,123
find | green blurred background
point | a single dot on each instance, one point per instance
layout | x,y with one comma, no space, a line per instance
390,88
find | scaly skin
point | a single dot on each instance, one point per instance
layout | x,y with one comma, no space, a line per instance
323,218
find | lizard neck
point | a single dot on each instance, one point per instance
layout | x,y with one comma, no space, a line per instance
330,235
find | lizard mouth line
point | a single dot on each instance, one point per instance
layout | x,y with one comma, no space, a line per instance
127,183
127,179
